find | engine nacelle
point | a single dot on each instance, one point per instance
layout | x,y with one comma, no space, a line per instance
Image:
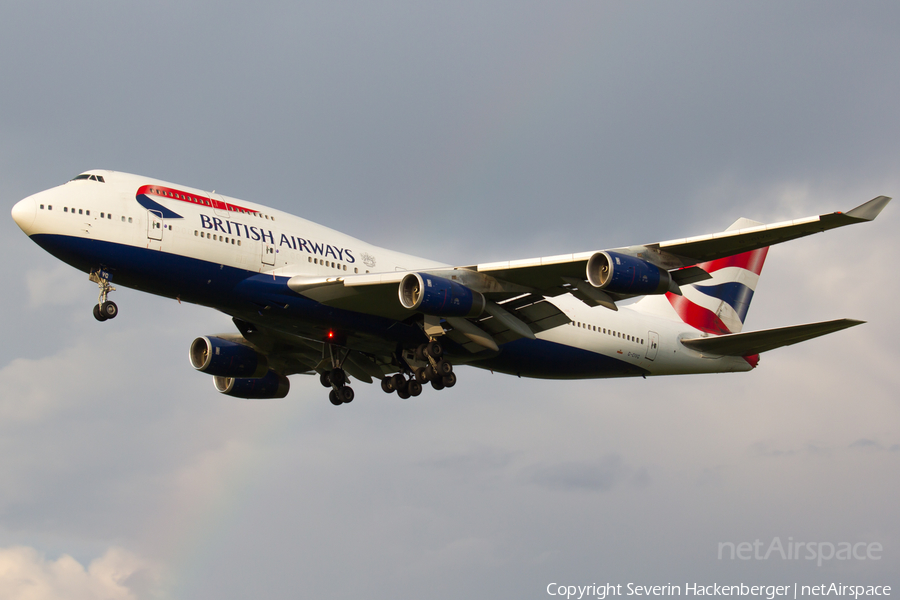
273,385
439,297
621,274
224,358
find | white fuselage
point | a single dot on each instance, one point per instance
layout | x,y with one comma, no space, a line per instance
175,241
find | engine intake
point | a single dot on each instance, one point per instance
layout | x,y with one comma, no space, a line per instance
224,358
623,274
273,385
439,297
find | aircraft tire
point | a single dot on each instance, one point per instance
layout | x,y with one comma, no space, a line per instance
347,394
434,350
398,382
387,384
338,377
324,379
437,383
109,309
335,399
449,380
444,368
99,315
414,388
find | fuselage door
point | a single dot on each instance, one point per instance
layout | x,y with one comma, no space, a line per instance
268,253
219,205
154,225
652,345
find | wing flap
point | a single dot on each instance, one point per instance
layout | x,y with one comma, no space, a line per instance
756,342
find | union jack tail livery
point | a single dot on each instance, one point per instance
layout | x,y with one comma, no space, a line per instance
719,305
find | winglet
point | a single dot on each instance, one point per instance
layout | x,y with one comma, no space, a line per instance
869,210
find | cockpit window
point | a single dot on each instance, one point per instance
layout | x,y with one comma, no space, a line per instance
90,177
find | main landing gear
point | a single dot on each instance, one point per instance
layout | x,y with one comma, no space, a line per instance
104,309
439,372
336,379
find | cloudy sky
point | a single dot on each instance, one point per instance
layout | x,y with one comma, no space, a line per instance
462,132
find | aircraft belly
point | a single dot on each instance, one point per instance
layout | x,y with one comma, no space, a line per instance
544,359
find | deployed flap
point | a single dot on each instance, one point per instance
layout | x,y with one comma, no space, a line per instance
755,342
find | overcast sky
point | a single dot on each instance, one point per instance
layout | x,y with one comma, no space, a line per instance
463,132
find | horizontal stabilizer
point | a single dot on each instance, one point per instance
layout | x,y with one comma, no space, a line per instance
755,342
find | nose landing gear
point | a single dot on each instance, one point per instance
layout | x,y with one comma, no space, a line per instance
104,309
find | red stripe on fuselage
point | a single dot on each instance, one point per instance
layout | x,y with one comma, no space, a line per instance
174,194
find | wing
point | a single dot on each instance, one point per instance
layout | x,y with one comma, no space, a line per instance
515,292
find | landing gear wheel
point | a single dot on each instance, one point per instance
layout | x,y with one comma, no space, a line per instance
338,377
387,384
437,384
109,309
403,393
449,380
335,398
414,387
420,352
444,368
421,375
347,394
99,315
434,350
398,382
324,379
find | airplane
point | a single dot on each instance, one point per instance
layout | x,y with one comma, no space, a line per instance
307,299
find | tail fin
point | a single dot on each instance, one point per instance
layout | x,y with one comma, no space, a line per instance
719,305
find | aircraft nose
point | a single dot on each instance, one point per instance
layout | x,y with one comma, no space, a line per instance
23,213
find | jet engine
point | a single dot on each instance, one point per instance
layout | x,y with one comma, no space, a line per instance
272,385
224,358
621,274
439,297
